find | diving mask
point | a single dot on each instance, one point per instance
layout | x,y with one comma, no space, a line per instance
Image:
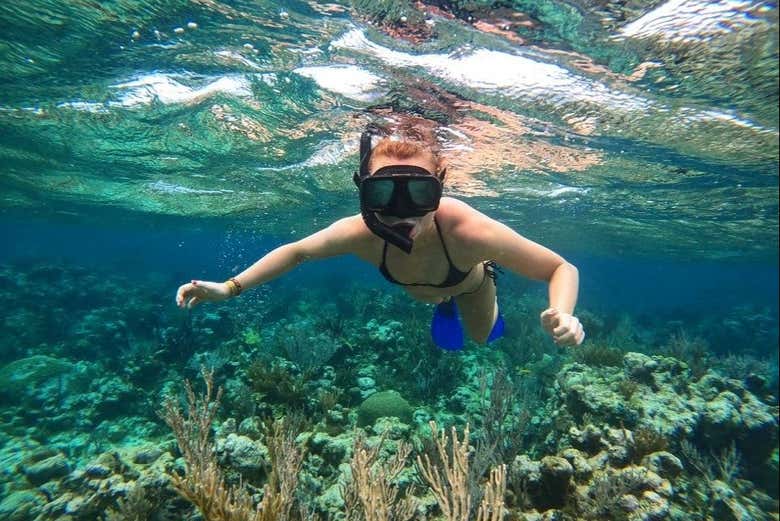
401,191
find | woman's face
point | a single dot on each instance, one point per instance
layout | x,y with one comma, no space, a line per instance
415,225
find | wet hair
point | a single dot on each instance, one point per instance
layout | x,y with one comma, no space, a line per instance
406,141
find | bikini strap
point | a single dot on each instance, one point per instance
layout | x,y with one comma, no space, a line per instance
443,245
383,267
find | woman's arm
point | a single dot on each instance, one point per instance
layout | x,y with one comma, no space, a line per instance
337,239
490,239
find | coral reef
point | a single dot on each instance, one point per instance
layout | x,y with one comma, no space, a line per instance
604,433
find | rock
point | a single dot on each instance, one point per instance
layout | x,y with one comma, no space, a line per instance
96,471
110,460
228,427
332,449
620,442
722,414
725,503
392,428
77,506
619,455
365,383
629,503
759,429
21,505
553,515
728,417
582,469
250,427
367,386
527,470
654,506
556,473
47,469
247,456
601,401
590,439
638,366
147,455
756,384
663,463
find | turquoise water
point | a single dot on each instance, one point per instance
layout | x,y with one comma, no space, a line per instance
143,144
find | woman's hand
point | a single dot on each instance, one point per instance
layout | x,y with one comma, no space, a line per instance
197,291
565,329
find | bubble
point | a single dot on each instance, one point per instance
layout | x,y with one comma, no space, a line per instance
284,14
136,35
192,25
179,30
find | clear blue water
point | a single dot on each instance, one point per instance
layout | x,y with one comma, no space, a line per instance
143,144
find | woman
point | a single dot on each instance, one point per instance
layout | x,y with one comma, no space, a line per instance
439,249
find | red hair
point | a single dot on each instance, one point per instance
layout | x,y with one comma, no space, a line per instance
402,150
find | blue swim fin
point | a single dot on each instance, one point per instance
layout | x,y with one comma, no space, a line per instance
446,329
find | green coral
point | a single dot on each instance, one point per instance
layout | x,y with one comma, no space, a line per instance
598,355
381,404
251,336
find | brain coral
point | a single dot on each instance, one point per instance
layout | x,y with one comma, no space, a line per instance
384,403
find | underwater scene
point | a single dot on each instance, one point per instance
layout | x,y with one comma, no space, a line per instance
145,144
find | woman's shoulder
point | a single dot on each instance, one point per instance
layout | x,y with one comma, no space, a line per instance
453,206
454,212
352,228
462,222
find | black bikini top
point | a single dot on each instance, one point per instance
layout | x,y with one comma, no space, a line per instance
454,275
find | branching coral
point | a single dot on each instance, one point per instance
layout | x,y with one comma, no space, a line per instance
604,498
373,493
724,466
449,479
203,483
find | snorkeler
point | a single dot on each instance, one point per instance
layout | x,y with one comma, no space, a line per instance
440,249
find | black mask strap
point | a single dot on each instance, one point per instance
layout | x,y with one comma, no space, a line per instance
365,157
373,223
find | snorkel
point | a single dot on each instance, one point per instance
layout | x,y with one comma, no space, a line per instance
373,223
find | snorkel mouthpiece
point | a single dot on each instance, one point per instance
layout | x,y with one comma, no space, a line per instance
386,232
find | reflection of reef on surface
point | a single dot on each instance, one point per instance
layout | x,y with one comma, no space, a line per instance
477,140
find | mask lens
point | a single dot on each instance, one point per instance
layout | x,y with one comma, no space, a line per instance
423,192
378,193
